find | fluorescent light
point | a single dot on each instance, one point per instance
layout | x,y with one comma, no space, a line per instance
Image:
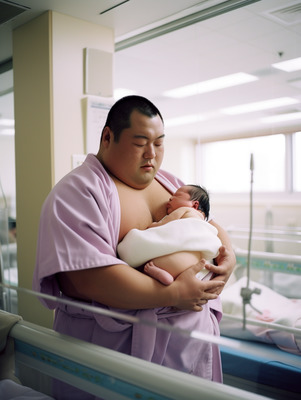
282,117
210,85
260,105
289,65
185,120
7,132
121,92
7,122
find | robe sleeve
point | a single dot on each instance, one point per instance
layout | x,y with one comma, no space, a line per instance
79,228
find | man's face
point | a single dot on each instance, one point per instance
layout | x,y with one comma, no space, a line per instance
181,198
138,155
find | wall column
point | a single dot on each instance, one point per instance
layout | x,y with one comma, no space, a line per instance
48,89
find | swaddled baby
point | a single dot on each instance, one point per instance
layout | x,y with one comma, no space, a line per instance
181,239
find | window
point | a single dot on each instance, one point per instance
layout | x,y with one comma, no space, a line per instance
225,165
297,162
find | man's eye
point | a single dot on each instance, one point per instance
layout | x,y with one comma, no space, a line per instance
138,144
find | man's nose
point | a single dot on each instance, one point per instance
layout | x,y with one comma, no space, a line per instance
150,152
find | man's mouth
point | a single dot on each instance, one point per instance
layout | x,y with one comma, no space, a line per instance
147,166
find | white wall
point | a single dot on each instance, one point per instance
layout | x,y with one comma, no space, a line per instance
179,158
70,36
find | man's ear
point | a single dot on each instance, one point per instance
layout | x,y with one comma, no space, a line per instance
195,204
107,136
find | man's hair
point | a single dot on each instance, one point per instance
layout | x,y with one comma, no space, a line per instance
119,115
202,196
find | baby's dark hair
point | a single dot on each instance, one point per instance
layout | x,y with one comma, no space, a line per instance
202,196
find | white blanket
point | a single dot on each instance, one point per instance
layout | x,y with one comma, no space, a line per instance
188,234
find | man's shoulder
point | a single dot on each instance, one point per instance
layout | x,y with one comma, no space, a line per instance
89,179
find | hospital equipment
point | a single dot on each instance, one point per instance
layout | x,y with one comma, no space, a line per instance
107,373
274,321
8,263
118,376
271,316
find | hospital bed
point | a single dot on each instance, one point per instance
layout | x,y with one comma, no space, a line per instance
251,370
107,373
269,325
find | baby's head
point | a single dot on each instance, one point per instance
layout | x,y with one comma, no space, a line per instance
190,196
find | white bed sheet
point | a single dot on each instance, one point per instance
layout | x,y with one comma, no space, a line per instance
274,308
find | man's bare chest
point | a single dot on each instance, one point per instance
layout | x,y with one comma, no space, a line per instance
139,208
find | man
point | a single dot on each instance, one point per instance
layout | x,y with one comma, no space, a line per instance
85,216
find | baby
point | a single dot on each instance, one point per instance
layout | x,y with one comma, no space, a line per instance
177,246
190,201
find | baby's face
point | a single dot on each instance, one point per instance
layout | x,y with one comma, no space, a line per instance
181,198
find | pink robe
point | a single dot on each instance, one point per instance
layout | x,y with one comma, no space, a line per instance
79,229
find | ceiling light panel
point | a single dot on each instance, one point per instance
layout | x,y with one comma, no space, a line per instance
210,85
260,105
7,122
289,65
282,118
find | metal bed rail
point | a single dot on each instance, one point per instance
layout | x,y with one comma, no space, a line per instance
110,374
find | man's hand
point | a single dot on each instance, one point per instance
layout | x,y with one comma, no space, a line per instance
193,293
225,265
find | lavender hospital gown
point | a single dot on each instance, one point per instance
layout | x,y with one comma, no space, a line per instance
79,228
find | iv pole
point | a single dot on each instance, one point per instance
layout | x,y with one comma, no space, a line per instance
246,293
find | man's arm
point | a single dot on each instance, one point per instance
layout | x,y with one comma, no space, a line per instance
226,259
124,287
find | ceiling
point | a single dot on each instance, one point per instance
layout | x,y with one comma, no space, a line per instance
165,44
